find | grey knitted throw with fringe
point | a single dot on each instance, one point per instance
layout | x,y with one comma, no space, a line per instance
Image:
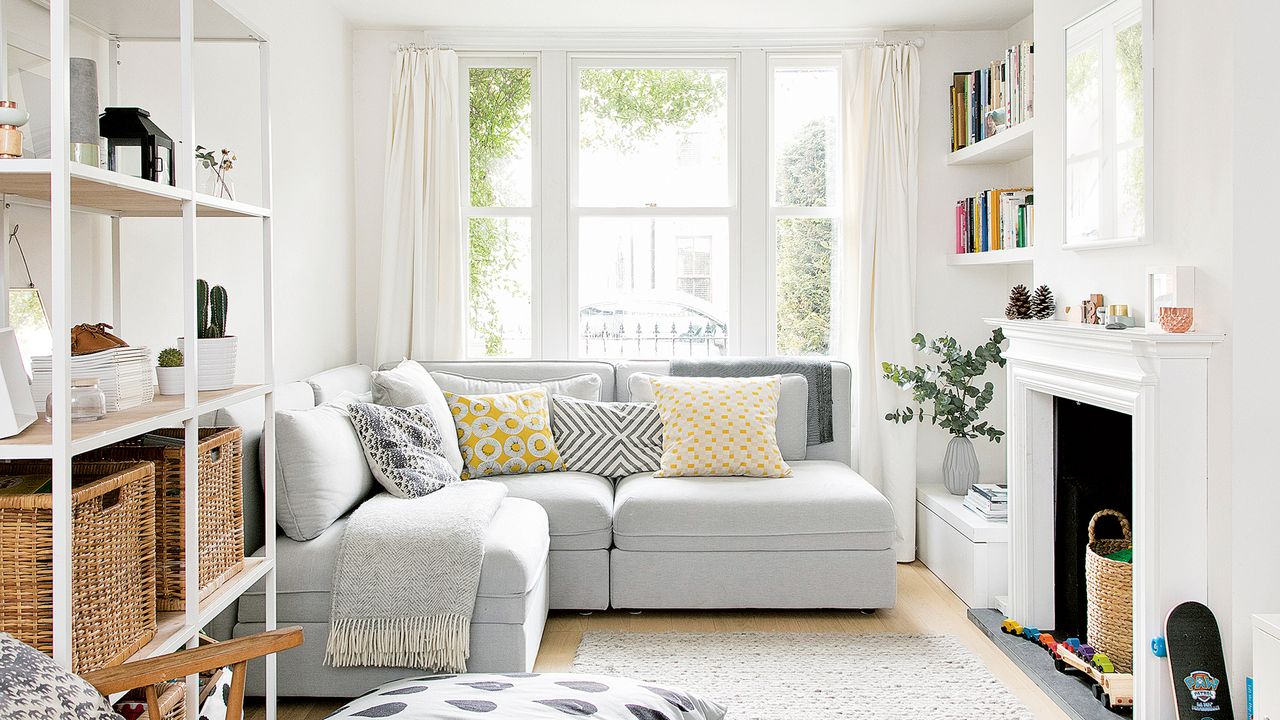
816,371
405,584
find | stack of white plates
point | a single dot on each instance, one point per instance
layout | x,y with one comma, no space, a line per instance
123,375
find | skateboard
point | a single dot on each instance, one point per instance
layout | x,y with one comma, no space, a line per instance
1194,647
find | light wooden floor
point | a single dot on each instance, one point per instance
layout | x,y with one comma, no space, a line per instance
925,605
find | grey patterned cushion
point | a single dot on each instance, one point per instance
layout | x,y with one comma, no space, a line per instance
529,696
404,448
34,687
613,439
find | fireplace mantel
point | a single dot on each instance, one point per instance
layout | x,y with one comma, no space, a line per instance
1161,380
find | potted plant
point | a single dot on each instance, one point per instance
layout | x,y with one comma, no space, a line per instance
946,394
216,351
169,371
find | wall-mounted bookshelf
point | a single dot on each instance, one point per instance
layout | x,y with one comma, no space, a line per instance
1003,147
1012,256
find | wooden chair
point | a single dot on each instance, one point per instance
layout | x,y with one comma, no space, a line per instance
234,653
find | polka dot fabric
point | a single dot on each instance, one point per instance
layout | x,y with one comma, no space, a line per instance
504,433
716,427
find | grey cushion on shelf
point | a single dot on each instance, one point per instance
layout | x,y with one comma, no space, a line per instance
609,439
33,686
409,384
321,471
404,448
793,411
582,387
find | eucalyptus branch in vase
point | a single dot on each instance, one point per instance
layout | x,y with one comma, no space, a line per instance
946,394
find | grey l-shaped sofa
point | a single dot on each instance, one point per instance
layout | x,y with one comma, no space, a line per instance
573,541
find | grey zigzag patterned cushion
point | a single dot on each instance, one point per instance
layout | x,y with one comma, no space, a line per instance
613,439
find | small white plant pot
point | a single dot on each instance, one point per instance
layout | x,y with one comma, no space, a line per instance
216,362
170,380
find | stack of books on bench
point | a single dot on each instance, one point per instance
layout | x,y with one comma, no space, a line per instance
989,501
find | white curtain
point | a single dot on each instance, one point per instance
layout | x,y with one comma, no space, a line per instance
880,108
420,301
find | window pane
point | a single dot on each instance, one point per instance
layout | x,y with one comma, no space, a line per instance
501,311
653,136
1084,98
1129,83
501,129
653,287
1130,201
804,285
804,121
1083,201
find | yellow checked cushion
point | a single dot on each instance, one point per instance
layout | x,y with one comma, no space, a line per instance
504,433
715,427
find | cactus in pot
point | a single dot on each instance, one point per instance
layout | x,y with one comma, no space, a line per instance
217,350
169,371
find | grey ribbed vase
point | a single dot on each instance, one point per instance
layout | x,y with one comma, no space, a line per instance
959,466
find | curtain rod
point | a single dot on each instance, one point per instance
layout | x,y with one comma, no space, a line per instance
915,42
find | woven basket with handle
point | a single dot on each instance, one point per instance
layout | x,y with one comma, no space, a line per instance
1109,591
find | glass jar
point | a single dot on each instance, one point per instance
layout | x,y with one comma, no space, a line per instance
87,401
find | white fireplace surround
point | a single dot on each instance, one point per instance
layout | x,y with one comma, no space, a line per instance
1159,379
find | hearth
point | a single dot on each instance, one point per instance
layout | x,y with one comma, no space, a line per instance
1093,470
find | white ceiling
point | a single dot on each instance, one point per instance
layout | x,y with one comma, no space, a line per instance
688,14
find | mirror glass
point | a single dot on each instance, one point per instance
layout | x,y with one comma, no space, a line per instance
1106,189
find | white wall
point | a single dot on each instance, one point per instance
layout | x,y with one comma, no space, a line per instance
313,206
1253,530
953,300
1192,226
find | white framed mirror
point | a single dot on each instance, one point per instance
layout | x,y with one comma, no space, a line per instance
1107,124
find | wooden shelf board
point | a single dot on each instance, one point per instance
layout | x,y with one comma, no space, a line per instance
165,411
1012,256
1004,147
172,630
97,190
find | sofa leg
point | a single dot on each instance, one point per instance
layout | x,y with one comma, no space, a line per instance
585,613
634,612
867,611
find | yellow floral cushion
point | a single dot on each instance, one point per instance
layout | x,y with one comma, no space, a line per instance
504,433
715,427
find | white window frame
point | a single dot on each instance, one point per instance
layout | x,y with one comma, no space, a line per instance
533,211
834,207
730,211
555,213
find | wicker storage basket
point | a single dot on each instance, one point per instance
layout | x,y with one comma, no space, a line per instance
1109,591
221,519
113,572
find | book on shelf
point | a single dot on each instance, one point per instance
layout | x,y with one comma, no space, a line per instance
997,219
989,100
991,491
987,512
123,375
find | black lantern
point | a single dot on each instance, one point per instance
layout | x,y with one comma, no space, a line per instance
136,146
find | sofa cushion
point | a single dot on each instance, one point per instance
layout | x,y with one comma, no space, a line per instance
720,426
793,410
607,438
321,471
579,506
504,433
515,557
584,387
823,506
409,384
403,447
328,385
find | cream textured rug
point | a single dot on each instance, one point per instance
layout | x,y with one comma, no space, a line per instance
810,676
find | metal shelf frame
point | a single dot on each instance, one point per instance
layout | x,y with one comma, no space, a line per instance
65,187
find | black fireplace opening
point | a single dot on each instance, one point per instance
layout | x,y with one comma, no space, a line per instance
1093,470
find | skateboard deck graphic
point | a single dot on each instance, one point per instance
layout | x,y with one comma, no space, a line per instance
1200,687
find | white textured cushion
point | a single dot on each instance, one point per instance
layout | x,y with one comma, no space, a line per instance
793,410
409,384
582,387
321,472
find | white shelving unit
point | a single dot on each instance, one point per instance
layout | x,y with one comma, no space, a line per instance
65,187
999,149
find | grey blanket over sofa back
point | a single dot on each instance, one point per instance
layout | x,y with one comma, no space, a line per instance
815,370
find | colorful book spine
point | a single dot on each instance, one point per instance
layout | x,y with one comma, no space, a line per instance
1003,86
996,219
